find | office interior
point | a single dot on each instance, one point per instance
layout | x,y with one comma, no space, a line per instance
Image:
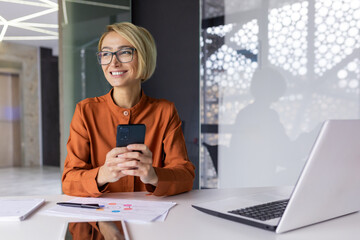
252,81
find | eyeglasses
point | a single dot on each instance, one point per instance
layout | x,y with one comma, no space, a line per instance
123,55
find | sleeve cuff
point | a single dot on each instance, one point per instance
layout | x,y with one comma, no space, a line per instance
164,183
150,188
90,183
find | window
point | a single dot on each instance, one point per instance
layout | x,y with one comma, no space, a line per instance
271,73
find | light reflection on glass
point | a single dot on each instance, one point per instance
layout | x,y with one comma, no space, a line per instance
314,45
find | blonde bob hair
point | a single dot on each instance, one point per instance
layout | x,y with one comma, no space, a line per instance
142,41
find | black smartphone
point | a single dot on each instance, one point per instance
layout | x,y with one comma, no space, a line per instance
130,134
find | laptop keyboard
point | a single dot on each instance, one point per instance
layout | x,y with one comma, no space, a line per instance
263,212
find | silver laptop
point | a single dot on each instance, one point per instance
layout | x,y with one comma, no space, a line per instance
328,187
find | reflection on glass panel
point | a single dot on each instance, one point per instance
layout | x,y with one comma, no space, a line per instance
272,72
83,22
81,25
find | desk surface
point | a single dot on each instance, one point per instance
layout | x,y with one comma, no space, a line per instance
183,221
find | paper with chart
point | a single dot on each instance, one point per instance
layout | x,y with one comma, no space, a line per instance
115,209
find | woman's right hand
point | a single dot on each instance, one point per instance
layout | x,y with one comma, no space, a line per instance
110,171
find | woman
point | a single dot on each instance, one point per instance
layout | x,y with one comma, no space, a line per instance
93,166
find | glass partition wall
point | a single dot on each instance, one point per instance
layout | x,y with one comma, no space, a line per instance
271,72
82,24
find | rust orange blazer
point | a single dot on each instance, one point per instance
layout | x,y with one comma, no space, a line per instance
93,135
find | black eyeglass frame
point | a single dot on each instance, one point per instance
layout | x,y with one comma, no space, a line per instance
115,53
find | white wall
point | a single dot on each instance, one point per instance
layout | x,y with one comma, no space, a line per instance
26,61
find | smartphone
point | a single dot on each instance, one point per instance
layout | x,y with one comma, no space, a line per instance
130,134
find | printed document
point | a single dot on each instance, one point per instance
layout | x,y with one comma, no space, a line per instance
115,209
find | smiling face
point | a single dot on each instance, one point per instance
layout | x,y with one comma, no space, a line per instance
116,73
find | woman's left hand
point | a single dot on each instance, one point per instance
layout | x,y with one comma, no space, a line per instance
139,163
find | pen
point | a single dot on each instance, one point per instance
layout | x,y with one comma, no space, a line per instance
79,205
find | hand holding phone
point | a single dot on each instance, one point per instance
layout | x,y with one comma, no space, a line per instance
134,161
130,134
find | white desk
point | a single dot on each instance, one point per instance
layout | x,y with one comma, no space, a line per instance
183,222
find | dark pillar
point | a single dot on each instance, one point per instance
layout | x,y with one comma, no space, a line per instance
50,108
175,27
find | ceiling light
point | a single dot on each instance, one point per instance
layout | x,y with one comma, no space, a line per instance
34,29
32,3
34,15
19,22
30,38
2,34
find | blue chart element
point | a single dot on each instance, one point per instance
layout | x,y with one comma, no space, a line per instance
115,210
